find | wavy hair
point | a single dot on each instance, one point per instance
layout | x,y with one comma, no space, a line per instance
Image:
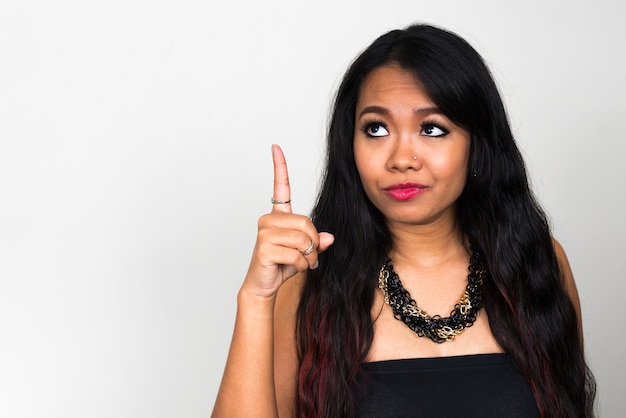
530,313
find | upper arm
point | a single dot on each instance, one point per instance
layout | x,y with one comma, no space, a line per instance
568,280
286,361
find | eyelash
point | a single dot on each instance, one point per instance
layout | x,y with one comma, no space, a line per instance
367,124
434,124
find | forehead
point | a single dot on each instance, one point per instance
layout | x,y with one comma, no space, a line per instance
391,83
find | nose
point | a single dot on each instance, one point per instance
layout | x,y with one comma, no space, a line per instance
404,156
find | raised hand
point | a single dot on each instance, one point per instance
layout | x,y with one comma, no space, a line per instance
287,243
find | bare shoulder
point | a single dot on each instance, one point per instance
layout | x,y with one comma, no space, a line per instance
567,276
286,362
566,270
286,308
288,297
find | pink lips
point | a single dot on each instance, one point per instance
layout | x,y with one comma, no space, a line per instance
404,191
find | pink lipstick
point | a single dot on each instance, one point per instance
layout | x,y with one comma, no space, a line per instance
404,191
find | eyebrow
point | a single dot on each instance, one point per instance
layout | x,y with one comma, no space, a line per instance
384,111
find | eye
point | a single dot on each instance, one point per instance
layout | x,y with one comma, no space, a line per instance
375,129
433,130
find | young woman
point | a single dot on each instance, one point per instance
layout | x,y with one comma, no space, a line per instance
436,288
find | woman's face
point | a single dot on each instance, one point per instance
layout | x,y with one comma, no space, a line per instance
411,158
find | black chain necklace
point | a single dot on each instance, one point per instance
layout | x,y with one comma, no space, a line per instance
436,328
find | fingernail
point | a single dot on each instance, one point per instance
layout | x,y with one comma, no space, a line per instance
316,265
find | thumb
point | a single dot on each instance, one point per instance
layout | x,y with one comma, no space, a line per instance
326,240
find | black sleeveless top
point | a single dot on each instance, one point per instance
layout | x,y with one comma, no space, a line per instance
483,385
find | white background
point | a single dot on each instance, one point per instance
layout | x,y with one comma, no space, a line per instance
135,160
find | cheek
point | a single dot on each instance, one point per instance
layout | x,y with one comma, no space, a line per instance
360,160
460,169
452,167
365,164
364,170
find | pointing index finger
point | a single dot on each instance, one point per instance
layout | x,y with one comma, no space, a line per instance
282,190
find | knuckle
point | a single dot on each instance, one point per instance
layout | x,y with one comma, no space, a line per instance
304,221
269,219
303,264
262,220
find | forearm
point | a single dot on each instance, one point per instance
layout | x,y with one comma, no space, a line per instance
247,388
286,244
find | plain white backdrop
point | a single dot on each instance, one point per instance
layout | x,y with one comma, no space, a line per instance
135,161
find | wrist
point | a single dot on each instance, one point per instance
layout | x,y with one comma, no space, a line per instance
256,304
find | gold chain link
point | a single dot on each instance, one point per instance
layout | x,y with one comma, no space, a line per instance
445,332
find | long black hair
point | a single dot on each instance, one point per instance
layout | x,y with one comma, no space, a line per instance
530,313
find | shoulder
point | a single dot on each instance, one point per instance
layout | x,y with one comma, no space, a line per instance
567,276
286,360
288,299
566,271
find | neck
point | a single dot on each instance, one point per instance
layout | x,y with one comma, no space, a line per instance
427,245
